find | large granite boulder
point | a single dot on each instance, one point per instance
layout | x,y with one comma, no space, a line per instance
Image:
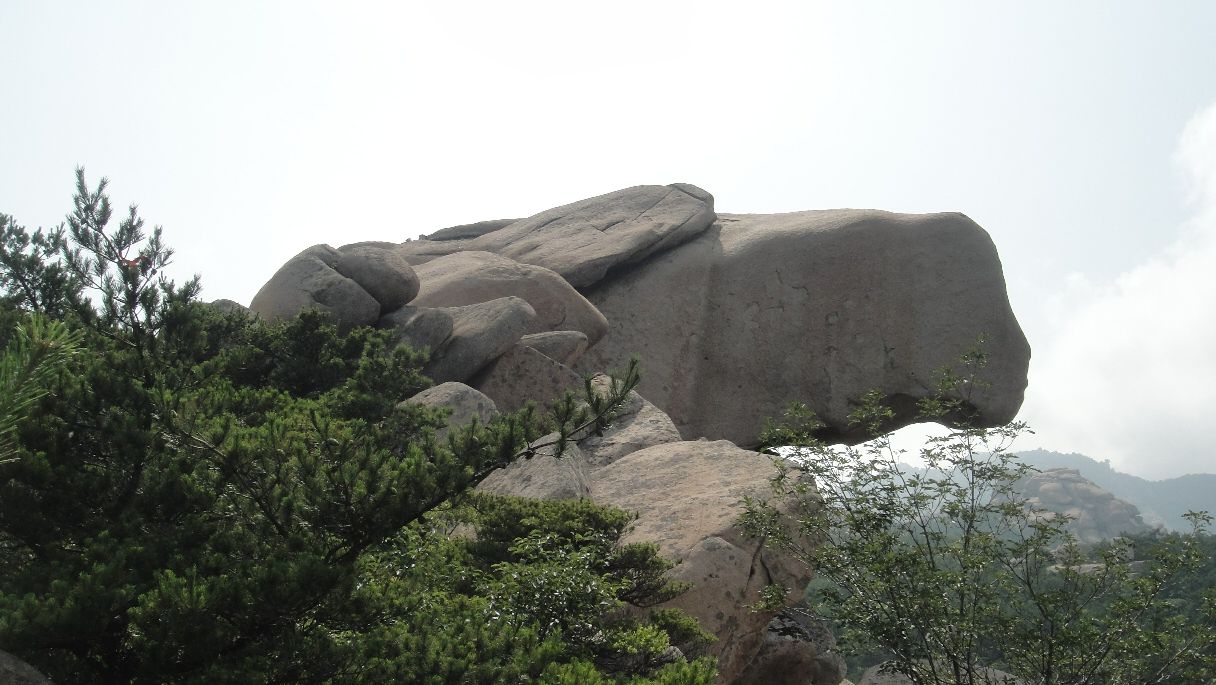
310,281
819,306
481,333
688,497
380,271
468,278
463,403
421,328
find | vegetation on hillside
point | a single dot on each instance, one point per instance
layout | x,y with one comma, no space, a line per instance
189,495
946,571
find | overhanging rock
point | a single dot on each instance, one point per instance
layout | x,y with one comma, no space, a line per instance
819,307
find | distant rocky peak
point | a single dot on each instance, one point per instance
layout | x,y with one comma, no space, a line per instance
1096,514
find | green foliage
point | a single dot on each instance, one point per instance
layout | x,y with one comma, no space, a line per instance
38,350
204,497
948,571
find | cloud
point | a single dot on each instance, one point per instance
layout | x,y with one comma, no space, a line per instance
1129,372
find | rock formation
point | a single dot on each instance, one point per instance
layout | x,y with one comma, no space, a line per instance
1095,514
733,316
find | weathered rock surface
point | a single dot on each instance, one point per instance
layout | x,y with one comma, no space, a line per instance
560,346
817,306
481,333
422,328
688,496
584,239
522,375
525,375
14,671
638,425
1097,515
467,278
381,272
543,476
466,231
464,402
798,649
309,281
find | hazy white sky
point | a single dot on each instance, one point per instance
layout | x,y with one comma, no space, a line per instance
1081,135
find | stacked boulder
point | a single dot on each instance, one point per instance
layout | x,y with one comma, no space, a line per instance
732,316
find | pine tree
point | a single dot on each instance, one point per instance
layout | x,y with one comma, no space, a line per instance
204,497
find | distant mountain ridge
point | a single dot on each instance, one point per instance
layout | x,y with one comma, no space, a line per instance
1159,501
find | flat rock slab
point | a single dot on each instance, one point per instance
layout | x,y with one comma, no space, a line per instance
581,241
820,307
584,239
467,278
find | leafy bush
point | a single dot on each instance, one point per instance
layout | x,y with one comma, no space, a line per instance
948,571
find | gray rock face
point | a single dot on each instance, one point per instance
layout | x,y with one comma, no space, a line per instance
14,671
464,402
638,425
466,231
560,346
381,272
467,278
481,333
309,281
543,476
818,306
524,375
422,328
688,496
582,240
